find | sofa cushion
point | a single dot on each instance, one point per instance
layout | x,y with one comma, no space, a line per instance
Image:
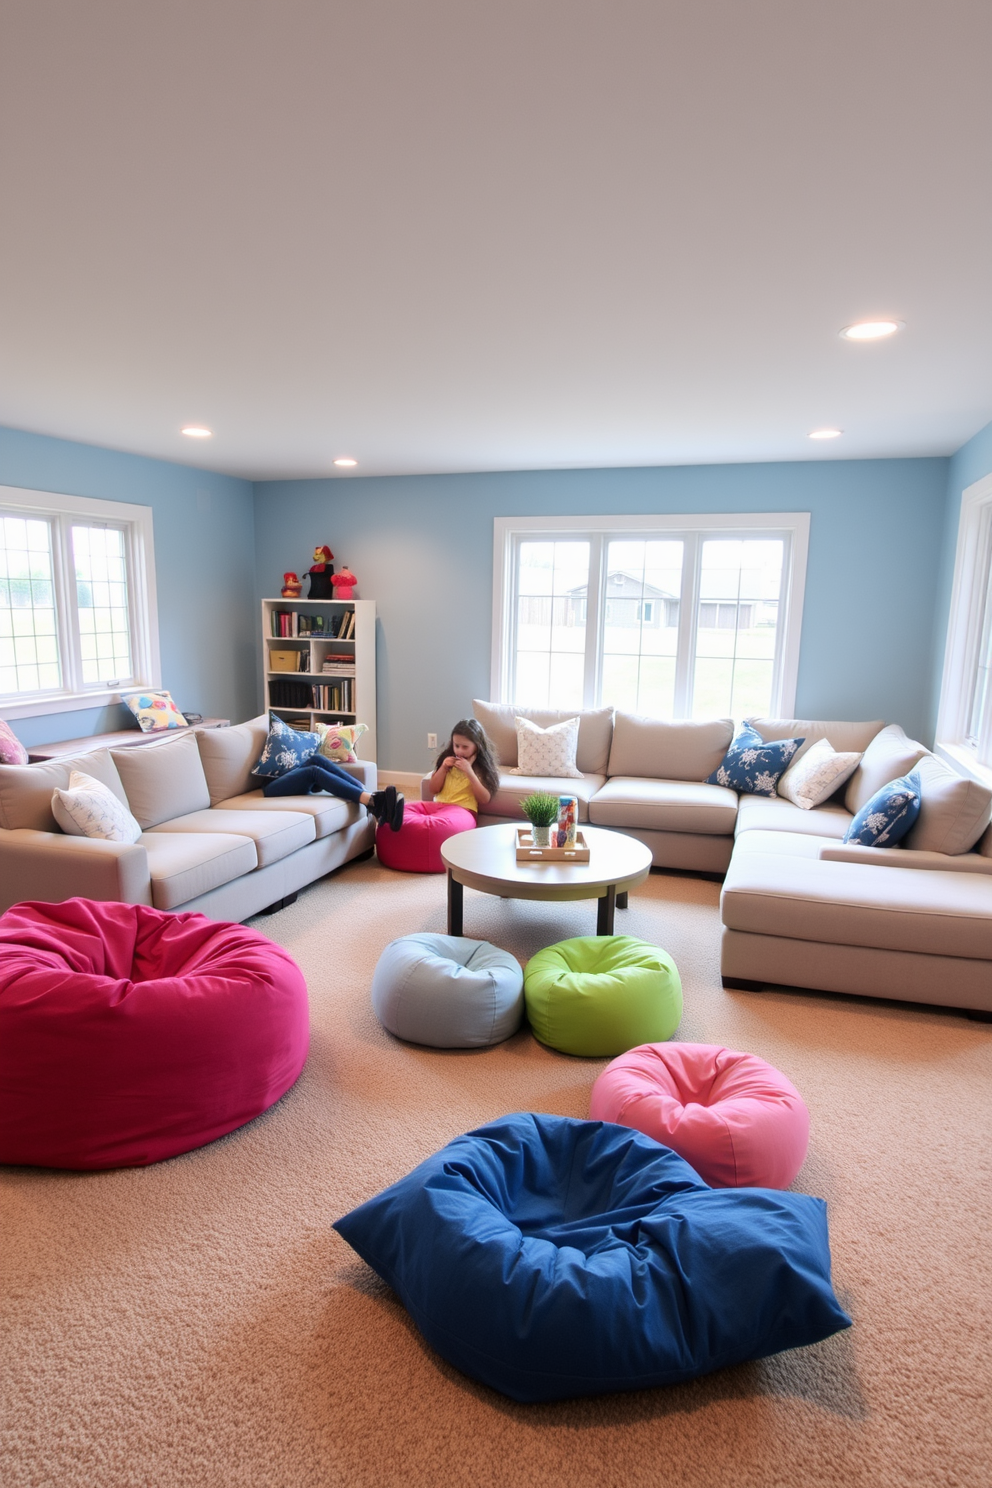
954,809
329,813
26,790
183,865
889,755
163,780
845,737
664,806
595,731
275,834
228,757
515,788
756,813
804,898
658,749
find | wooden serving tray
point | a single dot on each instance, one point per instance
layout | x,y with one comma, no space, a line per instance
528,853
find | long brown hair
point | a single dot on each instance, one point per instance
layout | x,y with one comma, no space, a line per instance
485,764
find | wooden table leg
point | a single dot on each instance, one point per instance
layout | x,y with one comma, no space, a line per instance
622,900
456,897
604,911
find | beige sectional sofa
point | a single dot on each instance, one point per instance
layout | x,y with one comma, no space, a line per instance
799,908
210,840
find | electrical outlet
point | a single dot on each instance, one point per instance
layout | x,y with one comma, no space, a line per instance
432,741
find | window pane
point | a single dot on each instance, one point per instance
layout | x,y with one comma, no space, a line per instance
980,686
99,557
641,625
736,626
552,587
27,606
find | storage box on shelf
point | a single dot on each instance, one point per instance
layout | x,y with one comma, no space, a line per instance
333,681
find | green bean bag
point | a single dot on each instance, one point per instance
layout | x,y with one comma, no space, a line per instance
602,994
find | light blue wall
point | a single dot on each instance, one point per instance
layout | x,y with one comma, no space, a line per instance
972,461
422,547
205,562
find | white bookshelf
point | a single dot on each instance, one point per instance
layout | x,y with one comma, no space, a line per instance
313,649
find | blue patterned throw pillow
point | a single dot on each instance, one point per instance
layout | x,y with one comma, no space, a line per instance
752,766
285,748
887,817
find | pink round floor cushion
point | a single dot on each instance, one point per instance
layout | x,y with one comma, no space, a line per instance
128,1035
737,1120
416,847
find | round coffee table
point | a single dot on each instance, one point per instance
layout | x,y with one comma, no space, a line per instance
486,860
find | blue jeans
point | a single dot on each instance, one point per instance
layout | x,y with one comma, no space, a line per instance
316,775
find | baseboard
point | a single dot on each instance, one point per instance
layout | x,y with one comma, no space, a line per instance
408,781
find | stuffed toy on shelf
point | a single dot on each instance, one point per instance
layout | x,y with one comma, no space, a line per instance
292,586
344,582
320,574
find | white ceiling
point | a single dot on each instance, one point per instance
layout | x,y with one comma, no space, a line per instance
494,234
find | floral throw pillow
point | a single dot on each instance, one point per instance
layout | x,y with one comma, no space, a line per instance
12,751
154,711
547,752
813,778
751,766
338,741
285,748
90,809
887,817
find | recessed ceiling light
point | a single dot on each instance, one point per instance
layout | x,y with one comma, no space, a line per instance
346,462
871,330
825,433
197,431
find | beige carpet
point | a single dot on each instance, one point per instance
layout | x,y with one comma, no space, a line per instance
199,1323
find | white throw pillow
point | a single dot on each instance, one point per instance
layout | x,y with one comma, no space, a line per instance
89,809
815,775
549,751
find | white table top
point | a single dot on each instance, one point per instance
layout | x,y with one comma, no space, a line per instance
486,859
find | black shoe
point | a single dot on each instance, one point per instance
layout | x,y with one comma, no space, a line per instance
396,815
377,806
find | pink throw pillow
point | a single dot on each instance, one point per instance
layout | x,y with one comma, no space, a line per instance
12,751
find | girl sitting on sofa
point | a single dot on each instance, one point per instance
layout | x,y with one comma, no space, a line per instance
467,772
319,774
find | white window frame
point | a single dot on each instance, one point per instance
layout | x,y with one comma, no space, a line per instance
793,527
972,566
136,522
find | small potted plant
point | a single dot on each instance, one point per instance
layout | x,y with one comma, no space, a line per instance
541,810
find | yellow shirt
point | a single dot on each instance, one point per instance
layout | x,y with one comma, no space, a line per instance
456,791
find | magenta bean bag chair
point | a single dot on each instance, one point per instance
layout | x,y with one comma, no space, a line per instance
416,847
737,1120
128,1035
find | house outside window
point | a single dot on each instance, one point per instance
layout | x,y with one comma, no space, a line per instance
77,601
667,616
964,721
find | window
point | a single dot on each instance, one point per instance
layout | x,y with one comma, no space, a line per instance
673,617
77,601
964,723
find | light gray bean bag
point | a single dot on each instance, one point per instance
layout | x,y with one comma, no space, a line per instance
448,992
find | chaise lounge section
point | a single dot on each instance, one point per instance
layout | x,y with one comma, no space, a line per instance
799,907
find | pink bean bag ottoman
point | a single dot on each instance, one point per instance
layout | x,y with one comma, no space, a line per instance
128,1035
416,847
737,1120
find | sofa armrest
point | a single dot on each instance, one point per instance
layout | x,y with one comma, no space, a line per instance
51,866
366,772
426,794
904,857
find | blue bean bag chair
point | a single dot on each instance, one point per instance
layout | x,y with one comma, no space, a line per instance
448,991
549,1258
